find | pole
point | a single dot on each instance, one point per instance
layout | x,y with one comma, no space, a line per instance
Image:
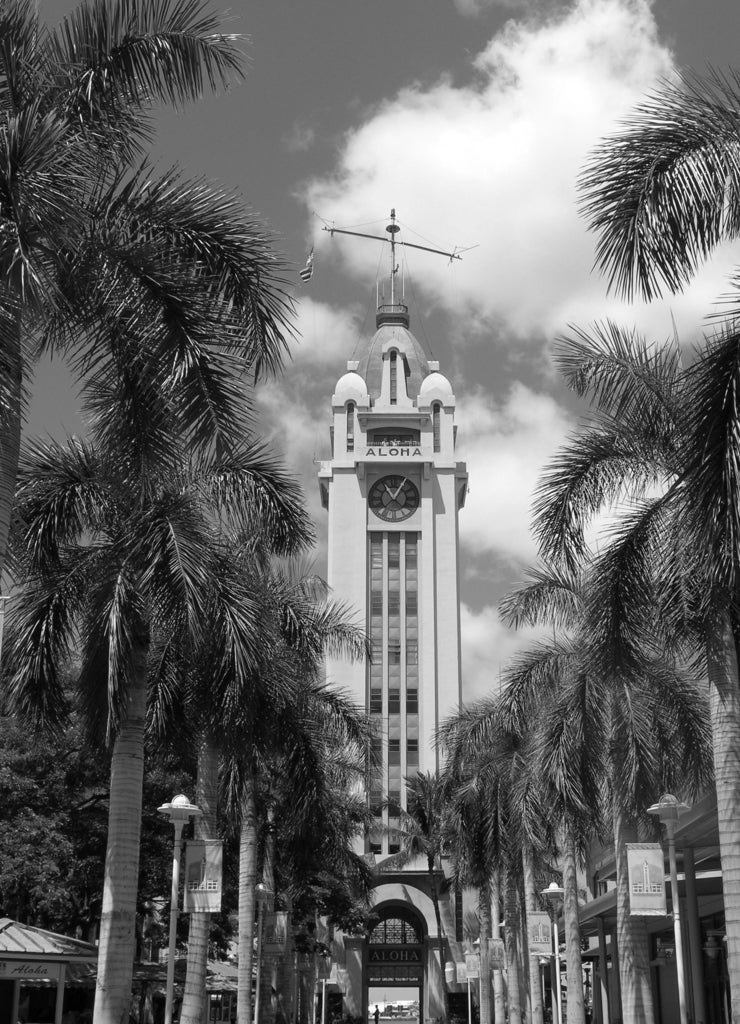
173,923
670,827
323,1001
470,1004
258,979
558,995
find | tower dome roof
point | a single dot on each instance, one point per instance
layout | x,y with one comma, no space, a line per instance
390,335
435,382
350,385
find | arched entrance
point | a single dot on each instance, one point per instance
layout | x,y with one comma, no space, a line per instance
394,962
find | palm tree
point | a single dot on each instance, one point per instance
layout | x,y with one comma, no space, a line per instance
296,738
469,845
157,288
490,764
297,624
421,833
118,565
605,738
662,194
668,439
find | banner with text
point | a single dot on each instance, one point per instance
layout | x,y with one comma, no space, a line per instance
646,879
539,933
203,869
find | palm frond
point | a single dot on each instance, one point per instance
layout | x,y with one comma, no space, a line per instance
713,457
634,383
123,55
250,484
62,496
598,468
547,596
665,190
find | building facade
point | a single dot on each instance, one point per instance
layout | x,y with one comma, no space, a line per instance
393,490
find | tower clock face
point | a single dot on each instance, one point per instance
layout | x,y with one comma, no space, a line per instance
394,498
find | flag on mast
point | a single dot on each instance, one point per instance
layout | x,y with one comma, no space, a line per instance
307,271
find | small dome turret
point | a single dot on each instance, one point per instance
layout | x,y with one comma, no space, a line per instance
435,385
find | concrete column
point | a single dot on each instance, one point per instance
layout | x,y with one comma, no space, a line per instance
696,963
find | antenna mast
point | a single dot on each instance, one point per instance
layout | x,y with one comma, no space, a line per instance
393,229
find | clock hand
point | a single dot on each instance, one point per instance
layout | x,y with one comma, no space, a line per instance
398,489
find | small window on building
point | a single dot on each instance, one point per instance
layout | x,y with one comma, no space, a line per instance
436,421
350,426
376,701
394,751
394,702
394,377
412,753
412,702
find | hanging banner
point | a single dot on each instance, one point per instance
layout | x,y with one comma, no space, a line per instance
275,938
539,933
646,879
203,864
497,954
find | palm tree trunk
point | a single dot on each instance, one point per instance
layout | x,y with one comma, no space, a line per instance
10,432
484,916
576,1009
511,923
440,931
533,962
268,978
206,793
724,708
247,883
632,936
499,1003
118,918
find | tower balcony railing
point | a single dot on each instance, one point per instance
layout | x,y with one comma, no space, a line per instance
392,313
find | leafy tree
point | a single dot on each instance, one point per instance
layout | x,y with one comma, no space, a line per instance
52,845
161,291
117,566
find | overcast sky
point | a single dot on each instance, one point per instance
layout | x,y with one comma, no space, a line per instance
472,119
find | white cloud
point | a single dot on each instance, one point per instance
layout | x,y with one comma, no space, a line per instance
505,445
327,336
488,646
495,162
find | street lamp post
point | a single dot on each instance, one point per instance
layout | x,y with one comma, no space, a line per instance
554,896
261,894
667,810
179,811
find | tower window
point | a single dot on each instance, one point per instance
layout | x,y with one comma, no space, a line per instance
412,702
350,426
394,377
436,418
394,751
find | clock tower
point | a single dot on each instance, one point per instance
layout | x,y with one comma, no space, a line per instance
393,490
